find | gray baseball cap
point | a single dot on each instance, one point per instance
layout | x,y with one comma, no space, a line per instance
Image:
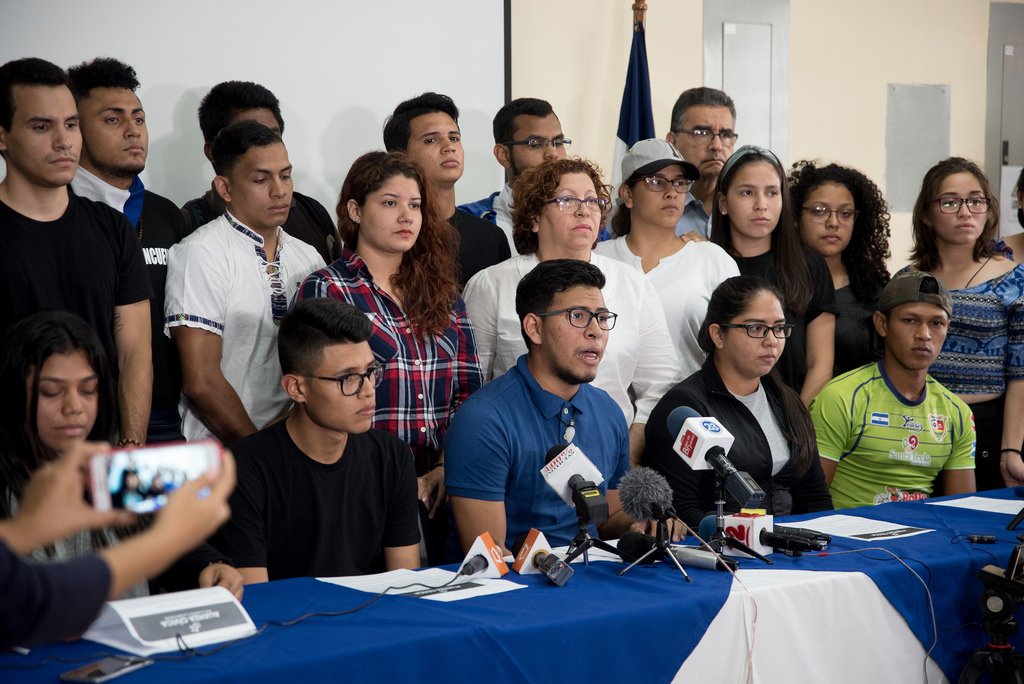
915,286
654,154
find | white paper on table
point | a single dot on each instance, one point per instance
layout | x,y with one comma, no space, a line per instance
423,582
147,625
983,503
865,529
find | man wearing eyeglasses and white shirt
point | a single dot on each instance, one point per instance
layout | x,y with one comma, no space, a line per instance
321,494
526,132
703,130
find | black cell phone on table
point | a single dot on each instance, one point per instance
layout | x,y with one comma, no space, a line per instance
106,669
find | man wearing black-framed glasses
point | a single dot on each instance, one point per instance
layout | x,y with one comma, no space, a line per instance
704,132
526,133
320,493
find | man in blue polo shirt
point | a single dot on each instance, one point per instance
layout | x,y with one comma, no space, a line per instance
498,441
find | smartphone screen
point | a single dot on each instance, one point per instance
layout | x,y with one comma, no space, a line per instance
140,478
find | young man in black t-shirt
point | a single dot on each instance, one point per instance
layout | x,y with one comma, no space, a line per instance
320,493
63,251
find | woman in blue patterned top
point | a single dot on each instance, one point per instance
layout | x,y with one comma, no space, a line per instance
955,219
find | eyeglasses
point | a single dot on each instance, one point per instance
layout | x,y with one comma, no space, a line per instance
540,143
759,331
951,205
662,184
352,383
580,318
573,204
704,136
820,214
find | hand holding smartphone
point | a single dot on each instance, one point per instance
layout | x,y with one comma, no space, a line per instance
139,479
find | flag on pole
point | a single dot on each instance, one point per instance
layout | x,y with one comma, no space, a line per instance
636,118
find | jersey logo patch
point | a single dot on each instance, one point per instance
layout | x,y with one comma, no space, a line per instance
938,426
880,419
911,423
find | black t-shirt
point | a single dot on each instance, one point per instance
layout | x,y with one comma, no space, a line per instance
855,330
300,518
161,226
792,364
482,244
88,262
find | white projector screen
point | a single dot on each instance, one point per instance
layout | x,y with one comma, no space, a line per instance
338,68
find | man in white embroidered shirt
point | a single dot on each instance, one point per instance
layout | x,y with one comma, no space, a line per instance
228,286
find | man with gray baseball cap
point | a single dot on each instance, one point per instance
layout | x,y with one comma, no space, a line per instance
888,431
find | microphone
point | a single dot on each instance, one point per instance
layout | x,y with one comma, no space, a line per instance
533,554
645,495
703,443
634,545
570,473
484,559
813,535
695,435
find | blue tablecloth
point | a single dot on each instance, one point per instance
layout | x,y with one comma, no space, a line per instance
598,628
950,570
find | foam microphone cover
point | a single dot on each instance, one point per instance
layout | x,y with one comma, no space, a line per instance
708,526
642,491
633,545
677,417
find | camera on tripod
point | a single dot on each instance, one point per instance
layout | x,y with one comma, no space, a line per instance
1004,589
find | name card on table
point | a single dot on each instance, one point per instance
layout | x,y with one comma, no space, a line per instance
167,622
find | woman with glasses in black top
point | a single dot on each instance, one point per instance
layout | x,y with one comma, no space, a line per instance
744,334
842,216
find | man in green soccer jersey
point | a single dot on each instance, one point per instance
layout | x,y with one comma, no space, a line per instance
887,430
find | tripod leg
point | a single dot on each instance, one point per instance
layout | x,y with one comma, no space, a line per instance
676,561
638,560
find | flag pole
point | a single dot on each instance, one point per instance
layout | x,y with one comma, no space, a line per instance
639,13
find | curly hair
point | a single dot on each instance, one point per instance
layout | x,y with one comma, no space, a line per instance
925,254
427,277
103,72
534,187
865,256
227,100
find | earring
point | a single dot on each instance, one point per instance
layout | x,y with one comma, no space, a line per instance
356,219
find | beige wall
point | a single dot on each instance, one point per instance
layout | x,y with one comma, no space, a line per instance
842,56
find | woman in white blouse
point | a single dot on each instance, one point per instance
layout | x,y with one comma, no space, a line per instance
558,210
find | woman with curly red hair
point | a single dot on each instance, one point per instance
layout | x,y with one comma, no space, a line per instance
559,207
399,266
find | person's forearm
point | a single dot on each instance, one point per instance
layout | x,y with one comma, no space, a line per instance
142,556
135,394
637,441
219,407
615,526
18,536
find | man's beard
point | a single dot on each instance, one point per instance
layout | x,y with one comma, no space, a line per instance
122,171
571,377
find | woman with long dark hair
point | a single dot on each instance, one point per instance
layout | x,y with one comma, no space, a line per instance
744,335
57,392
843,217
399,266
982,360
753,221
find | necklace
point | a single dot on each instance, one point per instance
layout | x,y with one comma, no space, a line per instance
976,273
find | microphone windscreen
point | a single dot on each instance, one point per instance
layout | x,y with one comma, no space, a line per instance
633,545
554,451
708,526
641,490
678,417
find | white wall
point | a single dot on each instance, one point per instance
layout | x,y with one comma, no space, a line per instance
338,67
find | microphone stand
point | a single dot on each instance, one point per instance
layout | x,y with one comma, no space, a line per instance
584,541
661,545
720,540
